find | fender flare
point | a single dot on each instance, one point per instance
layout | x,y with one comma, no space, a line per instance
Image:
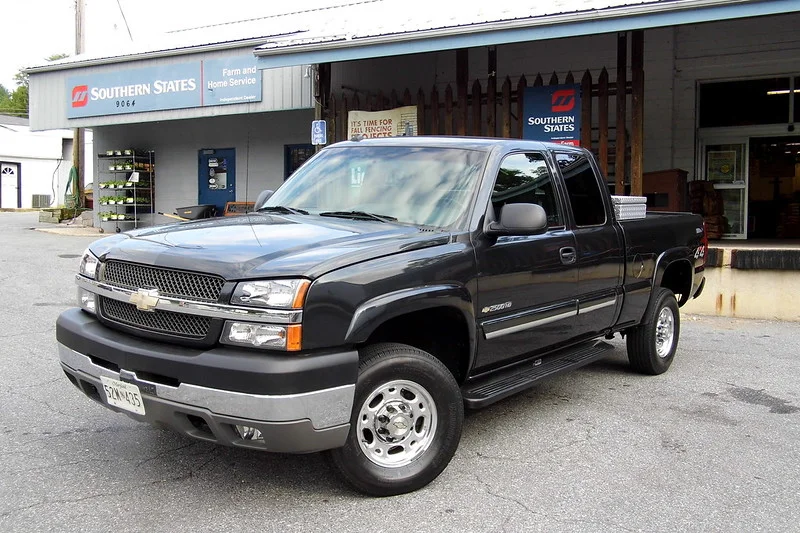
378,310
668,258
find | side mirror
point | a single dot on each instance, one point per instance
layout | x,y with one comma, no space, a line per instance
519,219
262,199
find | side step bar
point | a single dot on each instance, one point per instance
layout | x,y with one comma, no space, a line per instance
505,383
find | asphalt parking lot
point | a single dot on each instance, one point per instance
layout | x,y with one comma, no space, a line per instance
713,445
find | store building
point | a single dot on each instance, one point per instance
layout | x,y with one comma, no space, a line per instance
677,92
197,125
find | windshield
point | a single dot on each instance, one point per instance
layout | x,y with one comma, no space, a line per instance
420,186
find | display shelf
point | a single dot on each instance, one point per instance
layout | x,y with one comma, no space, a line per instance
141,163
127,171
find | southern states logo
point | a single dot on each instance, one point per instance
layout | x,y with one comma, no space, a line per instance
563,101
80,95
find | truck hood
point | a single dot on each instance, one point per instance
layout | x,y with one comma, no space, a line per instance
265,245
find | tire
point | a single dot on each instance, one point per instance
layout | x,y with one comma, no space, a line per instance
652,344
406,422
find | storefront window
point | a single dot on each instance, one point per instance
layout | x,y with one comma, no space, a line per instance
745,103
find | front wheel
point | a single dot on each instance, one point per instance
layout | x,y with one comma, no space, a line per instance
652,344
406,421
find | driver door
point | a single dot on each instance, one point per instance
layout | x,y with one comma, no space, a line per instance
527,285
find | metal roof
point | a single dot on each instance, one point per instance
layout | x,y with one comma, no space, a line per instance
372,28
11,120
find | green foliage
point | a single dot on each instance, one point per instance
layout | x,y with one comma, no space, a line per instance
16,102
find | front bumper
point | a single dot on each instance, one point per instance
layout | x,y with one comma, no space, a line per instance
298,421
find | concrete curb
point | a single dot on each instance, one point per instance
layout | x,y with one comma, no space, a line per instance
78,231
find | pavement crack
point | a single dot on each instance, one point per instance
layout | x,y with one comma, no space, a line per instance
510,499
10,512
49,381
165,453
47,404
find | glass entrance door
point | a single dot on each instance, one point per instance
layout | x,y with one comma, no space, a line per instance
724,164
774,187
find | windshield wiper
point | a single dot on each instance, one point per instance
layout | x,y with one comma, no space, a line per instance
362,215
283,209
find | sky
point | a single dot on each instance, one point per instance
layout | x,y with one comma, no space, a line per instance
36,29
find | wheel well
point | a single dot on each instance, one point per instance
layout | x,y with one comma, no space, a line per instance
440,331
678,278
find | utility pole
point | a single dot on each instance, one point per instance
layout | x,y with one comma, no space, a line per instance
77,136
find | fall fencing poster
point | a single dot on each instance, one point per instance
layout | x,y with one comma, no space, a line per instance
391,123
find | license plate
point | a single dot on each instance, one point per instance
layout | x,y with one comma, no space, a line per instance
123,395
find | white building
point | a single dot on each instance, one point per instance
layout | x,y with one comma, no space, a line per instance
34,165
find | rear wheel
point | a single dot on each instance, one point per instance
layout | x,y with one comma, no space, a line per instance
406,421
652,345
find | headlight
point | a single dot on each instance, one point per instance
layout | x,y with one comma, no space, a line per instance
280,293
89,264
262,335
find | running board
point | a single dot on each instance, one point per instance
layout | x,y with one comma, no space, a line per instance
505,383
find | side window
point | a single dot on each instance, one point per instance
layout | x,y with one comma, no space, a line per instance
582,188
525,179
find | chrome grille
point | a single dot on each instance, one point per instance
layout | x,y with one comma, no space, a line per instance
191,326
172,283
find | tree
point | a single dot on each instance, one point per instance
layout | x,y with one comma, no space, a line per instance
16,102
5,96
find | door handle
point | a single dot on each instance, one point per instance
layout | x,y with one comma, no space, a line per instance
568,255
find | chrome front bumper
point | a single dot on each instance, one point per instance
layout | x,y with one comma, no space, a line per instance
292,423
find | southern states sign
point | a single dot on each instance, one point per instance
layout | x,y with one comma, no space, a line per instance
137,90
553,114
392,123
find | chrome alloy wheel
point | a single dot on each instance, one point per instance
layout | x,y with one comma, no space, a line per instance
665,332
396,423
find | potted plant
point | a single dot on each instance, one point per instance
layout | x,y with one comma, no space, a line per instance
104,216
129,200
102,185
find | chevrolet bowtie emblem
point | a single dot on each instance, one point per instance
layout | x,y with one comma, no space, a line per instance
145,299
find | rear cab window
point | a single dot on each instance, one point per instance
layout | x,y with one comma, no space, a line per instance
583,188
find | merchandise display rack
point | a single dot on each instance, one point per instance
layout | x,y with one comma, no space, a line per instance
126,188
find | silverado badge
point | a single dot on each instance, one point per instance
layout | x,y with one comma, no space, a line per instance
145,299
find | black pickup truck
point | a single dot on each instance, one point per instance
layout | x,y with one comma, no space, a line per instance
384,287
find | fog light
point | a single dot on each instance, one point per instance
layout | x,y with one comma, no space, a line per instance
86,300
248,433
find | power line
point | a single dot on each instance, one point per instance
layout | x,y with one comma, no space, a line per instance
125,20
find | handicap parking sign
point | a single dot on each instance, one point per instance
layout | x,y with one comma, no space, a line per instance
319,134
